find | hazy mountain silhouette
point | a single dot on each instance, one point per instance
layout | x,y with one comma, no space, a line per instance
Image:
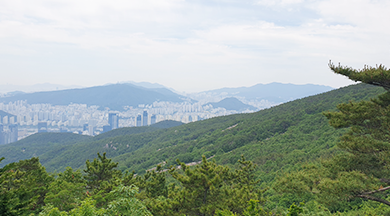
275,92
233,103
114,96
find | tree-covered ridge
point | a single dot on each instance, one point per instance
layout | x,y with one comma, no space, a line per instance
37,145
51,144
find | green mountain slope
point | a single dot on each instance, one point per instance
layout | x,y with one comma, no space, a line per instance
275,138
49,145
38,144
137,130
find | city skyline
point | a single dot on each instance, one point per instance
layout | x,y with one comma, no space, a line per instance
189,46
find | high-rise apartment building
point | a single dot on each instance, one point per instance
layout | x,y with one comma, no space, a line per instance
8,134
2,141
153,119
139,121
145,118
42,127
113,120
106,128
91,130
13,133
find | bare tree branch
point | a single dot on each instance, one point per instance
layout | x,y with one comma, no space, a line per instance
385,180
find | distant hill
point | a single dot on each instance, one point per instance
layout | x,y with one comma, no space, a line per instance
13,93
233,103
114,96
275,92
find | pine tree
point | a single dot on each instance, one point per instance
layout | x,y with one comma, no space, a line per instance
100,170
367,143
361,168
204,188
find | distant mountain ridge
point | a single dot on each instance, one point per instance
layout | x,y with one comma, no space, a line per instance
35,88
275,92
233,103
114,96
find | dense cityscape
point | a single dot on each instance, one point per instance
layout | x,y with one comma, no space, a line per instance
27,119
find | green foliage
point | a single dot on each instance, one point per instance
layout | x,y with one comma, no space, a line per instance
153,183
254,209
224,213
23,186
125,202
379,75
50,210
67,191
295,210
100,170
204,188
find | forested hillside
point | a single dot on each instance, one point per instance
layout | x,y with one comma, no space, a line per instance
284,139
296,129
49,145
37,145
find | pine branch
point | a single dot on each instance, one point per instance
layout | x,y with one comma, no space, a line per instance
376,191
374,199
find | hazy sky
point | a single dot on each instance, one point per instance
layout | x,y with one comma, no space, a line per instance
189,45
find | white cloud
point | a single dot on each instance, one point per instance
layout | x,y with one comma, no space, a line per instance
222,42
278,2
